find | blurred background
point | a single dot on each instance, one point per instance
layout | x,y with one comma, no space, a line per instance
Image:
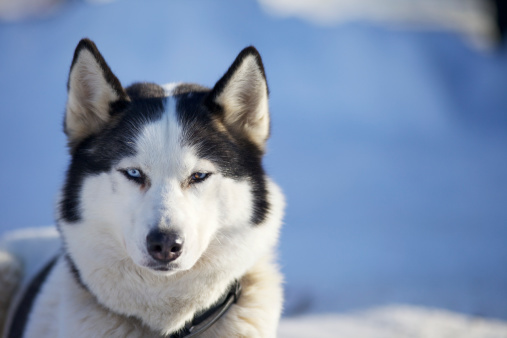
389,133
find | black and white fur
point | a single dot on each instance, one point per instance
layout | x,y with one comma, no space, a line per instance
165,204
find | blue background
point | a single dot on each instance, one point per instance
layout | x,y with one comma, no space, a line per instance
390,144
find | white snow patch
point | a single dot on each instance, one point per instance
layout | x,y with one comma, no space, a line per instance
474,18
34,247
391,322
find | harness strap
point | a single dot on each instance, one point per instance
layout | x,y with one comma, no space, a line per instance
201,321
20,318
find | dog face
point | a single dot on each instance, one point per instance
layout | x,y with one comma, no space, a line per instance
157,173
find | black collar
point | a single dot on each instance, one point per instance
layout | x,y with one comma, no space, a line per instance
201,321
204,319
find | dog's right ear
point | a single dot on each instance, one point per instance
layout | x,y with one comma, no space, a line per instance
93,92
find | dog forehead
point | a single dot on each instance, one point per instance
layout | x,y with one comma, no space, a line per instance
160,143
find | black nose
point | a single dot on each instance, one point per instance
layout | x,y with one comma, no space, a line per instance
164,246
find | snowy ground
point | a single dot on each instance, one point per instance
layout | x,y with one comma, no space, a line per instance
395,321
390,146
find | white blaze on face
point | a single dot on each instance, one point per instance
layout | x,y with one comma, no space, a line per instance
170,87
168,201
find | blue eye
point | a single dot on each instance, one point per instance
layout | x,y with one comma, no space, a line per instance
132,172
198,177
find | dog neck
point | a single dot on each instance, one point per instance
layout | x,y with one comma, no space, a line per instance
204,319
197,318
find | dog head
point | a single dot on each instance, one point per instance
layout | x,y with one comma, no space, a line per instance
158,174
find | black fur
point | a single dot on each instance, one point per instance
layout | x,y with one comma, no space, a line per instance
245,157
236,157
141,103
98,153
74,271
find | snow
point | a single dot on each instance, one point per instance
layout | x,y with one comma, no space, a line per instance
389,144
470,17
394,321
43,243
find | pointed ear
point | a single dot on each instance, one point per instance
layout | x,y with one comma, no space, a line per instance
240,98
93,93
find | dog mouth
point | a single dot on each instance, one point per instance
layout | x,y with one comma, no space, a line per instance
162,267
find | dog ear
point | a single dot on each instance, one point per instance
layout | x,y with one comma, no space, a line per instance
93,93
240,98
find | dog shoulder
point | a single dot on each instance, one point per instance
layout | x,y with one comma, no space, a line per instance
64,308
258,310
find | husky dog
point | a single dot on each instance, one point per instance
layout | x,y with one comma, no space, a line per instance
167,218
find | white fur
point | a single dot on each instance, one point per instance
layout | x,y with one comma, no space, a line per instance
220,245
170,87
89,98
245,102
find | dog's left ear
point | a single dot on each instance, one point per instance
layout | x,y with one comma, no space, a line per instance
240,98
